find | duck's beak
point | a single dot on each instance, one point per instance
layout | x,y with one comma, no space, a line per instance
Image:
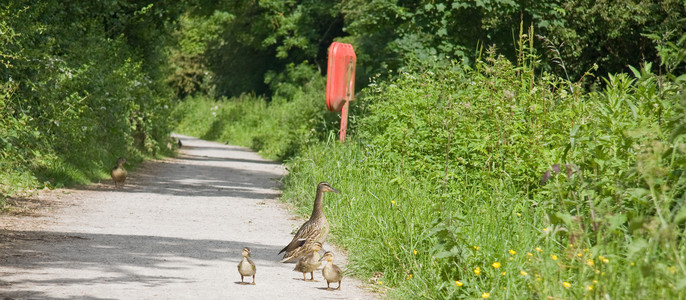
334,190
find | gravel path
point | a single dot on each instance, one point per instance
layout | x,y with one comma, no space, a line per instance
175,231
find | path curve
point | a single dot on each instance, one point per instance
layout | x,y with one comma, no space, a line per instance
175,231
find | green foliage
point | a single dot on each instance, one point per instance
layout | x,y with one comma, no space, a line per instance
615,34
278,129
82,86
610,34
190,73
446,157
445,167
233,47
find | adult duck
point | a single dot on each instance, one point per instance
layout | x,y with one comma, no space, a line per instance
316,229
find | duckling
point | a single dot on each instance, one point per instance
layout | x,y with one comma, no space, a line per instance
246,267
118,173
310,262
316,229
331,272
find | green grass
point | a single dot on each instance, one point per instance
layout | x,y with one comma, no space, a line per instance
382,223
440,181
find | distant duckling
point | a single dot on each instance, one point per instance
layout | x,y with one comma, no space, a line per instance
331,272
310,262
246,267
118,173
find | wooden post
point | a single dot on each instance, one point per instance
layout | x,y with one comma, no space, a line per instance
344,121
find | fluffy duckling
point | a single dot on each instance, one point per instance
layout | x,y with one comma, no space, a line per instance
310,262
331,272
316,229
246,267
118,173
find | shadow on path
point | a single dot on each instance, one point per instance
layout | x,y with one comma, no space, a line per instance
118,259
220,175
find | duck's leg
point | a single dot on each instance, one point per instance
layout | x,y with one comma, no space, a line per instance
339,286
253,281
304,276
312,276
328,288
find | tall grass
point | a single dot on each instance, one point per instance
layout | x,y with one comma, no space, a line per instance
442,194
277,129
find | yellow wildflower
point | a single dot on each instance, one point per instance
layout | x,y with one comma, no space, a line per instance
496,265
538,249
512,252
566,284
485,295
504,273
477,271
554,257
579,254
476,247
392,201
415,251
519,215
380,282
459,283
605,260
590,287
595,281
524,273
589,262
529,254
409,277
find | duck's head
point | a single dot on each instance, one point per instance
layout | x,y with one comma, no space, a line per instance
328,256
246,252
326,187
121,161
316,246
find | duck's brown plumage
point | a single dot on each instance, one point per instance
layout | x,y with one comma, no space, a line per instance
118,173
331,272
310,262
316,229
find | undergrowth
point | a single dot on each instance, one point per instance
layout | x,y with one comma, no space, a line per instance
77,92
277,129
493,180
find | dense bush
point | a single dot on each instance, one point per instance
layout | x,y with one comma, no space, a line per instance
82,86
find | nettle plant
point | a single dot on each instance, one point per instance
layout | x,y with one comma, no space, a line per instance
484,136
622,210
